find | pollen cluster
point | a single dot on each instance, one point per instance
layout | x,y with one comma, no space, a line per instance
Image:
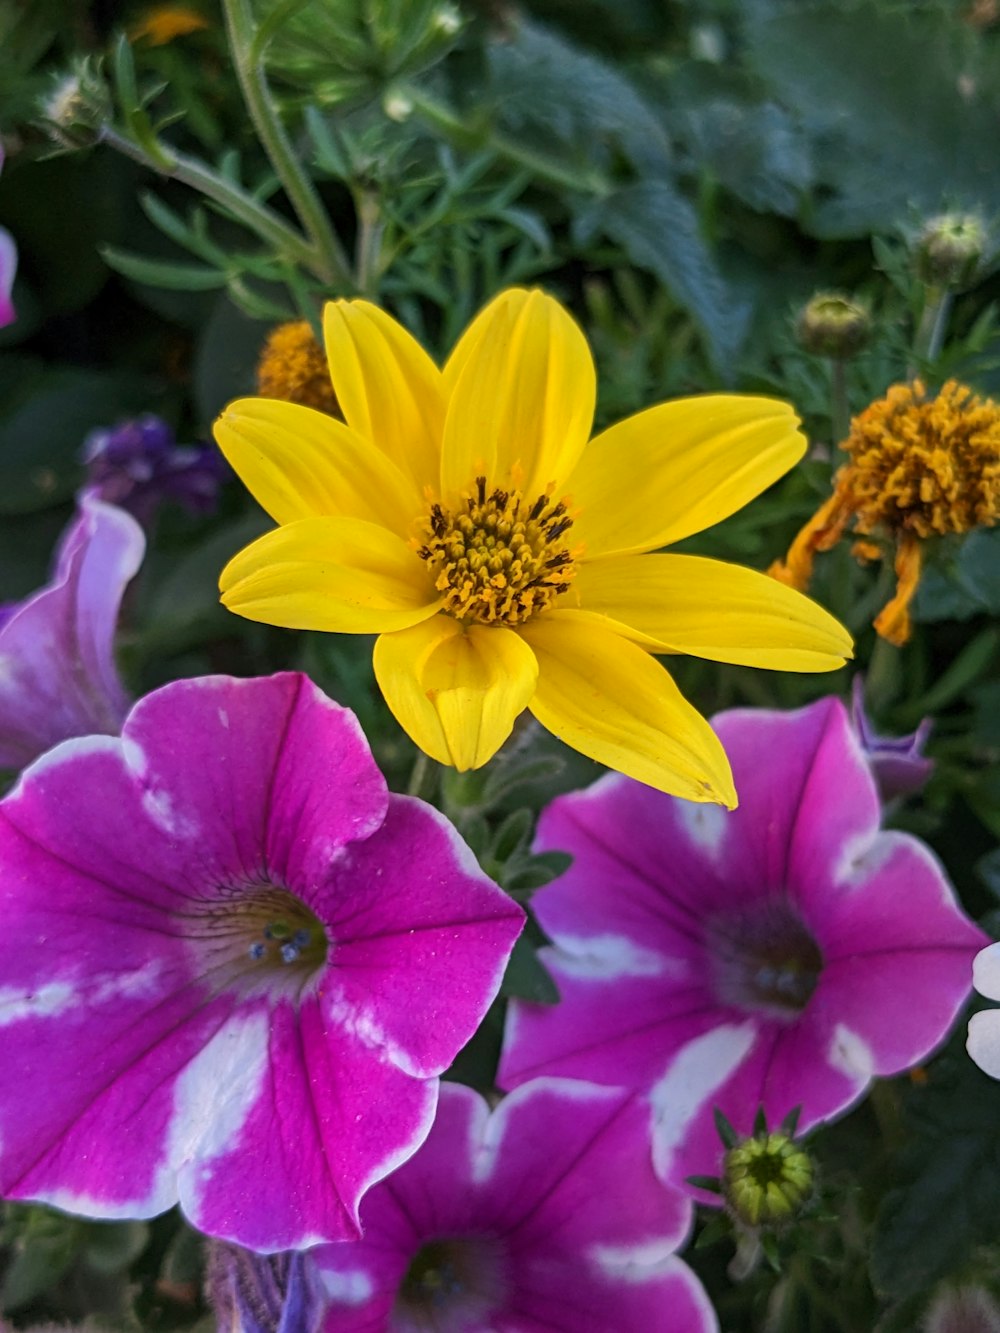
499,559
292,367
923,465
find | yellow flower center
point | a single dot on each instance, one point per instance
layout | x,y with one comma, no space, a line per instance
923,466
499,559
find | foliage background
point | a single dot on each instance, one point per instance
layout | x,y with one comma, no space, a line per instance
684,176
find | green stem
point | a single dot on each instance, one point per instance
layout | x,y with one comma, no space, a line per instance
254,215
933,325
422,777
540,166
883,675
840,408
333,265
369,243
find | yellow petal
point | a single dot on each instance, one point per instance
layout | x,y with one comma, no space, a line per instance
610,700
711,609
678,468
388,387
521,403
339,574
456,691
299,463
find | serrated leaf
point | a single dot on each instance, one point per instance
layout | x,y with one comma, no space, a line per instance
760,153
888,92
551,94
657,229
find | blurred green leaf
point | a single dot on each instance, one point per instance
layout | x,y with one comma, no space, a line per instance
658,230
758,152
551,95
949,1172
42,428
902,103
163,273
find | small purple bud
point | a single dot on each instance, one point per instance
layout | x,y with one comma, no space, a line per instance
263,1293
137,464
898,763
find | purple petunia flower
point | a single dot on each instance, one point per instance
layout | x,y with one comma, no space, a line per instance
57,669
234,966
544,1215
898,762
139,463
778,955
8,268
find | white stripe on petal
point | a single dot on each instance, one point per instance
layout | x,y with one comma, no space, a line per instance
606,956
216,1093
695,1075
850,1056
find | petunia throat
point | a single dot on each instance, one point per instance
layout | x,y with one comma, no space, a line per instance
500,559
449,1283
764,959
263,936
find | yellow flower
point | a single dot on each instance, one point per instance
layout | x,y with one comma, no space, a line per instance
458,515
292,366
919,468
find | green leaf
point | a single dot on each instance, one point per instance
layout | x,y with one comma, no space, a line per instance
43,428
888,93
964,585
164,273
183,605
551,95
760,153
526,977
111,1247
949,1179
658,230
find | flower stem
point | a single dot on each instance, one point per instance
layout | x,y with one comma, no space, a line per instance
422,778
242,205
933,325
333,266
840,408
544,168
369,242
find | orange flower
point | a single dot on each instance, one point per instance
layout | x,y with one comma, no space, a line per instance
919,467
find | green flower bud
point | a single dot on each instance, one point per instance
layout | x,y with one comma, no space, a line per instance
342,50
767,1180
949,250
78,106
833,325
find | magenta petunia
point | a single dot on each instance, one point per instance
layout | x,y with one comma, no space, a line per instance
778,955
57,669
234,966
542,1216
8,268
